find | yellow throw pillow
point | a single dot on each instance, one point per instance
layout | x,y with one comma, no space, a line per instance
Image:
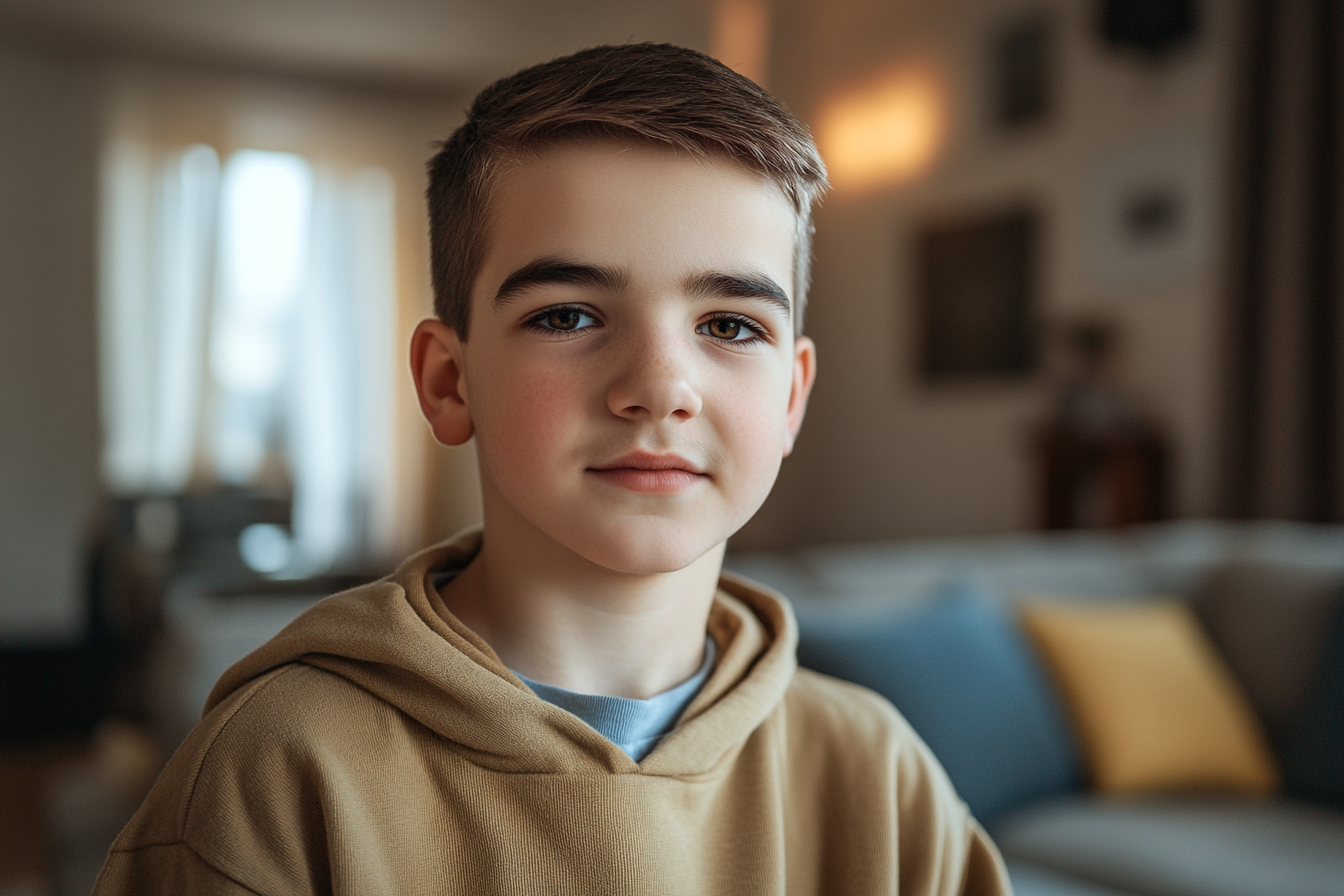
1154,706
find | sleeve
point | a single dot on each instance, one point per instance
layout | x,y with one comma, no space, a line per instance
234,812
870,808
943,850
172,868
985,873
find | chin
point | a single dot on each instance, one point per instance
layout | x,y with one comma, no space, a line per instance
643,550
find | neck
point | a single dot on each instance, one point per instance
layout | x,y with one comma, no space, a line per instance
559,619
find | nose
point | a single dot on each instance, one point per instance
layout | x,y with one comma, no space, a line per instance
656,382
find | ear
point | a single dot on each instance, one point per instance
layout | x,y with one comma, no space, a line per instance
440,381
804,375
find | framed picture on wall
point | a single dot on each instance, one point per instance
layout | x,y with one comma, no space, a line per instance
1021,63
977,295
1148,217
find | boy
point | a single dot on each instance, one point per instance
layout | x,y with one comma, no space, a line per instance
573,700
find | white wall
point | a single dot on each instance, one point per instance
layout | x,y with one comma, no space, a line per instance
49,433
883,454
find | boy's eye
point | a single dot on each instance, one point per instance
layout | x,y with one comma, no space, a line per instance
729,329
723,328
562,320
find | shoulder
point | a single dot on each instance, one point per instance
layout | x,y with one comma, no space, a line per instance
828,704
290,704
247,779
857,734
283,711
295,727
856,772
273,728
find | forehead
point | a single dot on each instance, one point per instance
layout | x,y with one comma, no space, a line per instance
654,212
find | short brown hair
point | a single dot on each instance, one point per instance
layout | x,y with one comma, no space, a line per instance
662,93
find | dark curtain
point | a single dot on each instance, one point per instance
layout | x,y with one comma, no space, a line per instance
1284,389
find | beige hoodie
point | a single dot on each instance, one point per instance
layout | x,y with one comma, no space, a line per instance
377,746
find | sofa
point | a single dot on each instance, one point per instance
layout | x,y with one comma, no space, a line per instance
1193,747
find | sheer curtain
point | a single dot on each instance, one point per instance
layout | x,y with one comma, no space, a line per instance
248,320
158,250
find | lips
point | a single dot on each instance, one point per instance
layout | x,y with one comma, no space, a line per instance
650,473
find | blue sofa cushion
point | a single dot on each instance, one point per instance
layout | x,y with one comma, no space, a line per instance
1313,762
963,675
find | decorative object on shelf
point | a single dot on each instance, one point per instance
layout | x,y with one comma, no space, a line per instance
1101,460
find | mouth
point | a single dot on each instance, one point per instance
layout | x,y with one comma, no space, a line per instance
650,473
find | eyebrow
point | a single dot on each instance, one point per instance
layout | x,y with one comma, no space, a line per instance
740,286
547,271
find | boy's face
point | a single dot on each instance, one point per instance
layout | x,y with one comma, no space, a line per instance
632,376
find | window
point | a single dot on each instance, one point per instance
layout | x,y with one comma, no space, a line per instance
248,332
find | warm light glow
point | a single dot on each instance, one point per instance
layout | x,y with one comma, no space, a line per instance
884,132
741,38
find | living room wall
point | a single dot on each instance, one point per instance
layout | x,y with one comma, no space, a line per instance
885,454
49,432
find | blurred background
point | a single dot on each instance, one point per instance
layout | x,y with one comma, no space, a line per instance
1078,271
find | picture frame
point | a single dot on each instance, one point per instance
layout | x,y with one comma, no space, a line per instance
1148,216
978,285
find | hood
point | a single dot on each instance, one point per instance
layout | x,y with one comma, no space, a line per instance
396,639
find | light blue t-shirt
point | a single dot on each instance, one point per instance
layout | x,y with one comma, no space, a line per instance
636,726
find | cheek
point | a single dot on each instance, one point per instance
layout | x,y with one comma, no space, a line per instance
755,422
520,415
